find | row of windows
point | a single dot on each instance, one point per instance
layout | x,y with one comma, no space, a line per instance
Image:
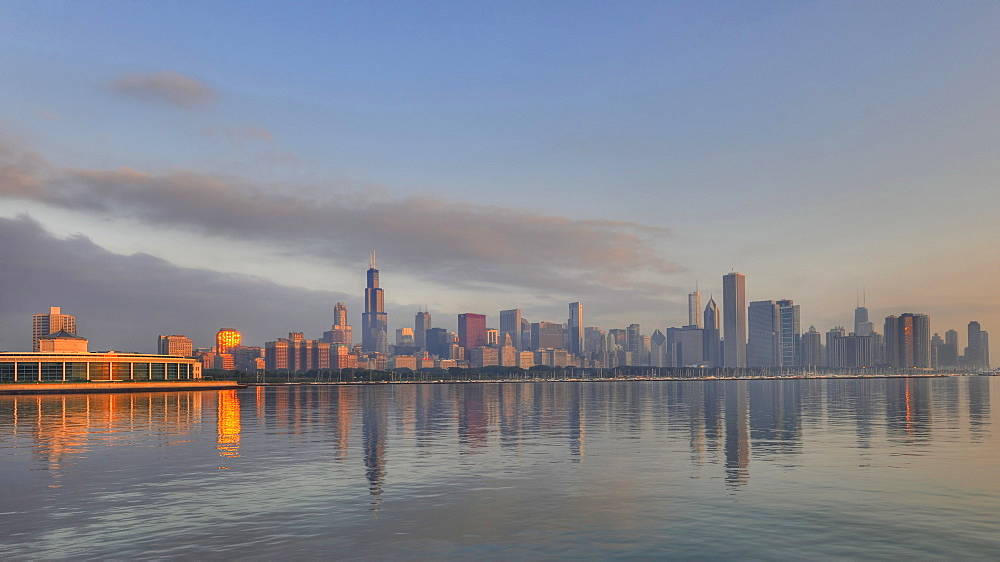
84,371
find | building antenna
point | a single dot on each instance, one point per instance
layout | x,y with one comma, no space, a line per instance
371,262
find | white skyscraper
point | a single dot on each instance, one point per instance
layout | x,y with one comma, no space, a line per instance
694,309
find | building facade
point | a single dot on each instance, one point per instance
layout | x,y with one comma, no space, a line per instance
340,332
374,321
54,321
81,367
471,331
575,342
177,345
421,323
908,341
762,345
694,309
734,310
712,345
510,326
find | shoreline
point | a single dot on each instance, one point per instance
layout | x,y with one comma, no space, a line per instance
621,379
113,387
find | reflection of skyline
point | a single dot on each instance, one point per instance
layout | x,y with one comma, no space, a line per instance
727,426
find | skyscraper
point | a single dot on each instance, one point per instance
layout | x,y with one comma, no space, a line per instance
225,339
54,321
812,348
908,341
734,309
712,343
762,347
575,329
789,334
374,321
633,340
510,325
421,323
340,332
977,355
862,327
658,349
546,335
180,346
471,331
694,309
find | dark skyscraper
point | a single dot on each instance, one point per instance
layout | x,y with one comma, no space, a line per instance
762,347
421,323
734,310
789,334
510,325
977,354
575,328
374,322
710,347
908,341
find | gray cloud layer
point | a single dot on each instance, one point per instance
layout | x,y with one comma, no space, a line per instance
475,246
125,302
165,87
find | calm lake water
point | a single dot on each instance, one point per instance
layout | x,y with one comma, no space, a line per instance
885,468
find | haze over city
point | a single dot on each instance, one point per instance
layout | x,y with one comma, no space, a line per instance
178,168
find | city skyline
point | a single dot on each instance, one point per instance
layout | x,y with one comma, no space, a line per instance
498,157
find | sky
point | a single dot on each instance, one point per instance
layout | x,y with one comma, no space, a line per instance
179,167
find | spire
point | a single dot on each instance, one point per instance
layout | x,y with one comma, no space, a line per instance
371,262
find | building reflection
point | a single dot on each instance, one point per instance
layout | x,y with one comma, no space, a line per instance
374,428
63,428
737,432
979,406
228,423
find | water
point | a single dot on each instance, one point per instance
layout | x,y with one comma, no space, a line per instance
885,468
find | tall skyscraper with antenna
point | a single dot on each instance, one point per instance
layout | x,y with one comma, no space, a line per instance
862,326
374,322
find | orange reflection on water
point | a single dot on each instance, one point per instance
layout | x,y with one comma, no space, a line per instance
228,407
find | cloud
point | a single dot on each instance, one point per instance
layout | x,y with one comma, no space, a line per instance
124,302
462,245
166,87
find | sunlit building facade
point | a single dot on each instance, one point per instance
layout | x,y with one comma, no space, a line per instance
54,321
104,367
177,345
225,339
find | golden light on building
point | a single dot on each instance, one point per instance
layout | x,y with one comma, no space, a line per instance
225,339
